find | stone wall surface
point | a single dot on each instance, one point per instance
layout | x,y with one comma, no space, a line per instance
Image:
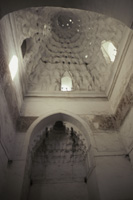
115,178
3,165
66,191
12,88
108,143
8,105
126,132
7,136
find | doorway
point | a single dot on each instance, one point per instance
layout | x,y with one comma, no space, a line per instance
59,169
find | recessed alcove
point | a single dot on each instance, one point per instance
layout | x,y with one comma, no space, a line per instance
66,82
59,166
26,46
23,48
59,159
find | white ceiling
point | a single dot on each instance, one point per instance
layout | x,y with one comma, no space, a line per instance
57,41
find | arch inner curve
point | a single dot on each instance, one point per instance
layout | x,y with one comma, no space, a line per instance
60,155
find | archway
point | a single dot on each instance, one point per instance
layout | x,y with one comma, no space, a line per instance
58,129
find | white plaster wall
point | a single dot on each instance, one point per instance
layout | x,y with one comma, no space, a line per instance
126,131
3,165
7,134
107,143
14,172
8,111
92,185
131,157
115,178
113,169
18,145
7,131
10,50
39,106
58,191
14,180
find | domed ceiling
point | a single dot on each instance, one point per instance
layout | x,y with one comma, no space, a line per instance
62,43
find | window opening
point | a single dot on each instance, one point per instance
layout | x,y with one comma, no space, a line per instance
66,82
109,51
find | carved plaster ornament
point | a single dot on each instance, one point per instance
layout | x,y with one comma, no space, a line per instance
67,38
59,143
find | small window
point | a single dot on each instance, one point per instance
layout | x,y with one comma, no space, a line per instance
13,66
109,51
23,48
26,46
66,82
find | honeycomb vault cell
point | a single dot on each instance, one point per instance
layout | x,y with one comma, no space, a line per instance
66,25
67,40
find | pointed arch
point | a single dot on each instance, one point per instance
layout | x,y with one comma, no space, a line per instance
48,120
